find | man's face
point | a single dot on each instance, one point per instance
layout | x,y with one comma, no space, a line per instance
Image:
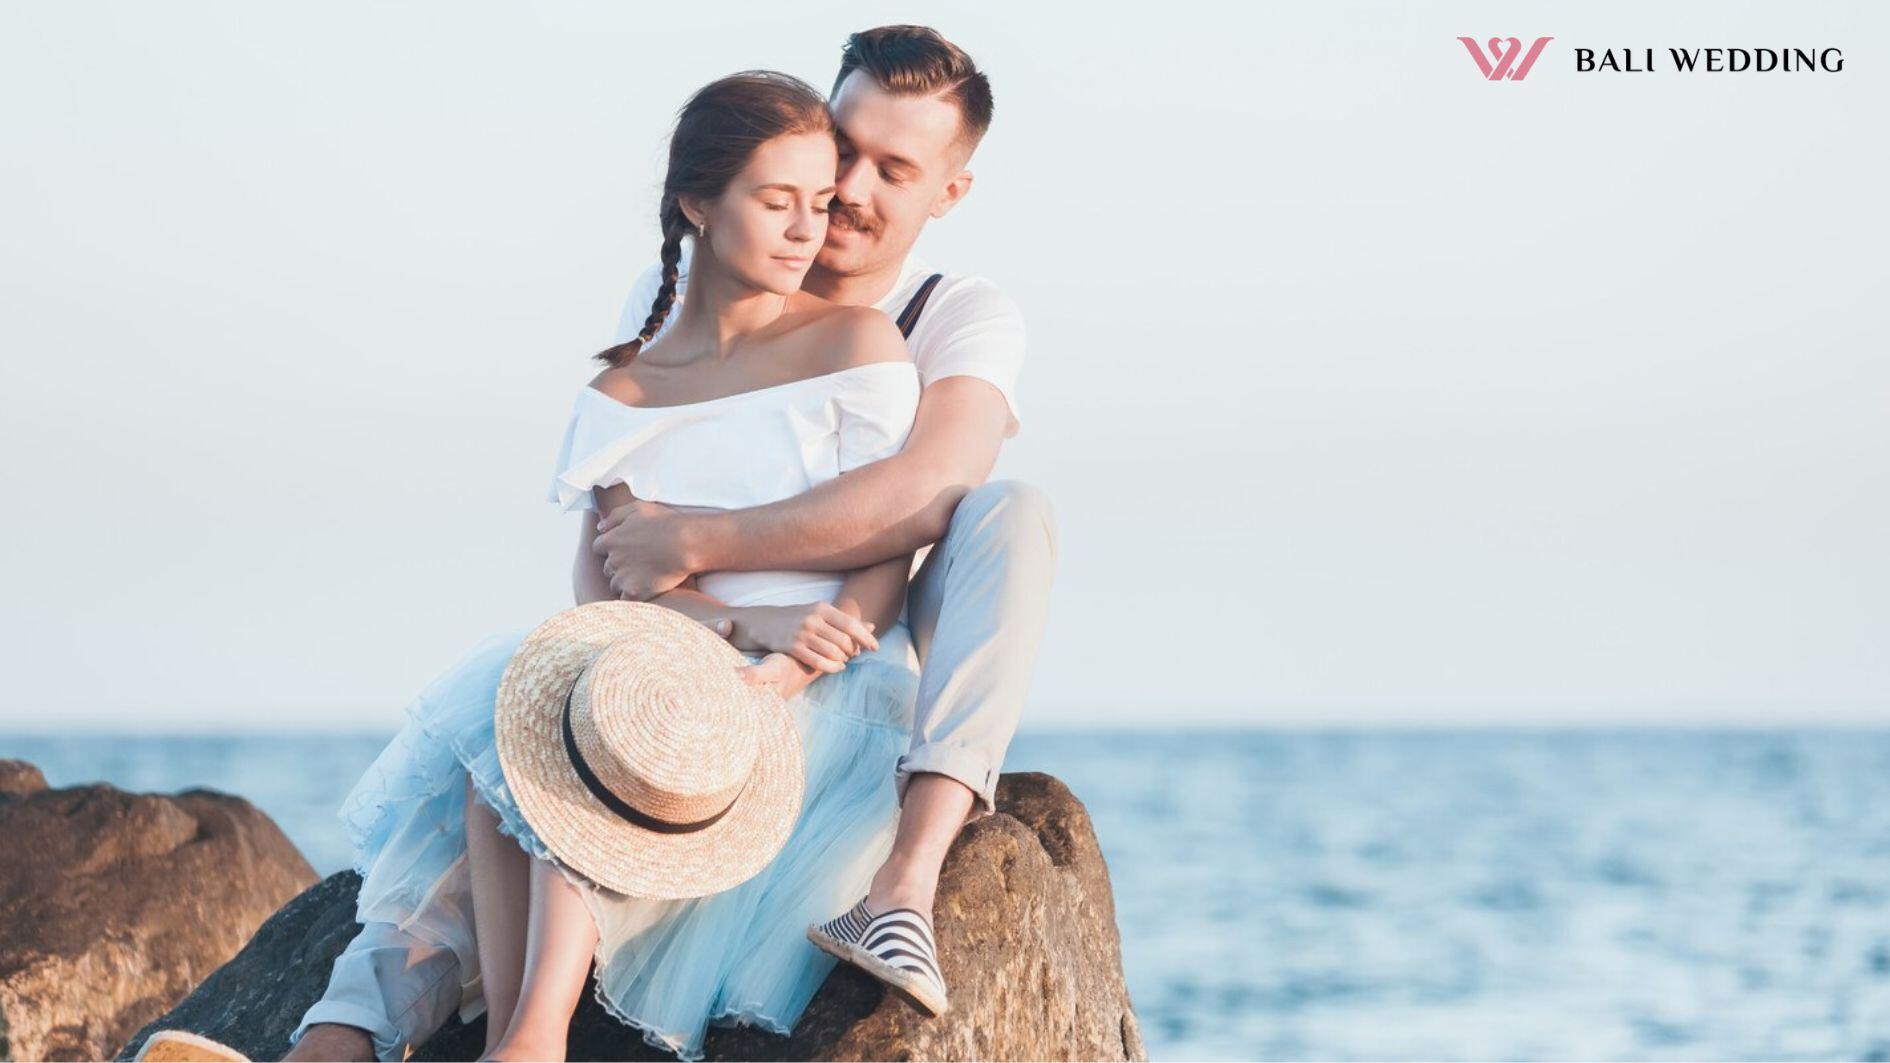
900,164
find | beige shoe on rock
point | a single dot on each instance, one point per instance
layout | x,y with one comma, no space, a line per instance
182,1046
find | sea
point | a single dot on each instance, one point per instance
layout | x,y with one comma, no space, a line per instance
1391,895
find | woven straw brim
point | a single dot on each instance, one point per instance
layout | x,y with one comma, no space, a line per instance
578,829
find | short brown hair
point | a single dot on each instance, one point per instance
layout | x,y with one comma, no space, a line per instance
918,61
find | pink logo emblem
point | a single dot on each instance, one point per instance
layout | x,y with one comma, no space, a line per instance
1506,58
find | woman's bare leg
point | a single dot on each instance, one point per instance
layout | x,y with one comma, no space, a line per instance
562,940
501,891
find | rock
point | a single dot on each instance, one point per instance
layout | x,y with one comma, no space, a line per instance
254,1002
18,779
1026,932
114,905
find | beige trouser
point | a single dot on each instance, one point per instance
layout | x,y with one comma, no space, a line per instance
976,610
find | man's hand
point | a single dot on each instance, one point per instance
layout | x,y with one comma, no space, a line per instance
643,548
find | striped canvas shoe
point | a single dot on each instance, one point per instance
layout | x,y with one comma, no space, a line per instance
895,947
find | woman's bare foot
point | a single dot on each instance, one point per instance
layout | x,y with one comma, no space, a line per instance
333,1041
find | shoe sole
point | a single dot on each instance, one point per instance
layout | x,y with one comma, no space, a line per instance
911,988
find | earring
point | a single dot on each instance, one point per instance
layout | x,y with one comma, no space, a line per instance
702,230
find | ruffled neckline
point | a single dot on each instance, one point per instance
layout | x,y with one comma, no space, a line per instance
619,404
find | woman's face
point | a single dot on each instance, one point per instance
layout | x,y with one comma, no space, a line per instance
767,227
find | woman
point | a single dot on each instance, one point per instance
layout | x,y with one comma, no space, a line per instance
757,392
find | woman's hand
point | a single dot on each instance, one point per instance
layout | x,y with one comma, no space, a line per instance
818,635
781,672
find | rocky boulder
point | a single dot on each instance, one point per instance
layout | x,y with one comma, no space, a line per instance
114,905
1027,938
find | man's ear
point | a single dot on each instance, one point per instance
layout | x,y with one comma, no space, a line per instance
955,189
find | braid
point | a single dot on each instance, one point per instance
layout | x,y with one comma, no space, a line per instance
674,225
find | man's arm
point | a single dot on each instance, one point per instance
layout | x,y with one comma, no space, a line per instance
871,514
589,584
878,511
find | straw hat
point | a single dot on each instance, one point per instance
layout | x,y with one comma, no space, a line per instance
638,755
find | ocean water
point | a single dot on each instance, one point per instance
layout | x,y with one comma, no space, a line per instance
1395,895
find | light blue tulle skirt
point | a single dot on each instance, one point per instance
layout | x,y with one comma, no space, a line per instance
670,968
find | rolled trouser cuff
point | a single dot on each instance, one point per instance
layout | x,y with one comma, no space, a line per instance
388,1044
398,987
967,766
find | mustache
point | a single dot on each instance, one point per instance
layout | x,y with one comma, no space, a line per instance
848,217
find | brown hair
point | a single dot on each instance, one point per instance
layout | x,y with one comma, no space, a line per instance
918,61
716,135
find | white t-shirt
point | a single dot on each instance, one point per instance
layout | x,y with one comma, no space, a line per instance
968,328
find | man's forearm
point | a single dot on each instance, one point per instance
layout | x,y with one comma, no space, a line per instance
872,514
867,515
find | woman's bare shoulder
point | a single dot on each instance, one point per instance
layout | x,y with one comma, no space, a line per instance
846,336
617,383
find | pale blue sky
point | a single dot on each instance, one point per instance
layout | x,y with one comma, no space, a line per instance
1368,391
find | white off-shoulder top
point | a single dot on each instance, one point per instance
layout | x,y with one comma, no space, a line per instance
741,450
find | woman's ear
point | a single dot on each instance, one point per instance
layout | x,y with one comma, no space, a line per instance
693,209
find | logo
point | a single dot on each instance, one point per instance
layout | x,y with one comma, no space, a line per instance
1506,58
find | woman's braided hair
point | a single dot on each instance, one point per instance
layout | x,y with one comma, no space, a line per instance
716,135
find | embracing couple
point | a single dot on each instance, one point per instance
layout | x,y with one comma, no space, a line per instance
794,410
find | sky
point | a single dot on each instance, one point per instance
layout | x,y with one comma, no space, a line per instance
1368,392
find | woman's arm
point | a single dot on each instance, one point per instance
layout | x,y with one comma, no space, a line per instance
821,636
588,583
824,636
871,598
876,594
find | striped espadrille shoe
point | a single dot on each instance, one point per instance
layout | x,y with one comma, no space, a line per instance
895,947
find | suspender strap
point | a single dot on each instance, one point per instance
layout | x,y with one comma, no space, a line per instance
910,315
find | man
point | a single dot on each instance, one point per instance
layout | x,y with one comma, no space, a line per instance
910,107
